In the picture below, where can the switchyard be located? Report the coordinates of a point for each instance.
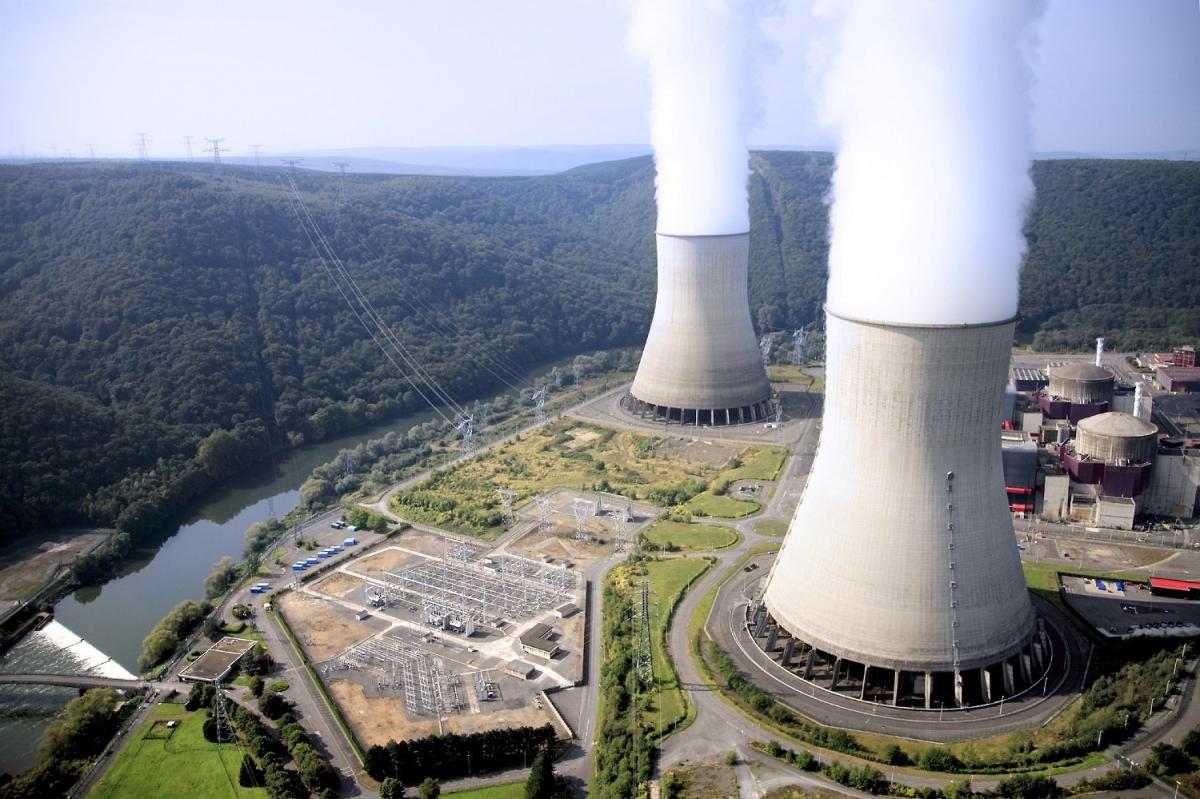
(423, 634)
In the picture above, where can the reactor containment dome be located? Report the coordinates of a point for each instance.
(701, 363)
(899, 574)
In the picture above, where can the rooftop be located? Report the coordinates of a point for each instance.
(1115, 423)
(1080, 371)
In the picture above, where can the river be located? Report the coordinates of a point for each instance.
(115, 617)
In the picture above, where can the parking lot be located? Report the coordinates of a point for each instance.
(1133, 612)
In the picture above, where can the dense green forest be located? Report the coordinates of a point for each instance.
(162, 327)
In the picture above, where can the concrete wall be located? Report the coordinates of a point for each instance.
(1174, 485)
(701, 351)
(1056, 491)
(1116, 513)
(869, 569)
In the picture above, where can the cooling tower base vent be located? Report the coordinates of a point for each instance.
(716, 417)
(1025, 673)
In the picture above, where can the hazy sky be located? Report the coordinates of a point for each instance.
(1113, 75)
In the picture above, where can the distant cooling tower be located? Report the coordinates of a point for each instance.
(899, 580)
(701, 363)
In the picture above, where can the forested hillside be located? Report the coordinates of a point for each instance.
(161, 327)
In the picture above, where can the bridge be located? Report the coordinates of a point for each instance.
(74, 681)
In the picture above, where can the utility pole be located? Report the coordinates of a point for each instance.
(216, 149)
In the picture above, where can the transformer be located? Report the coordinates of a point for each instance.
(899, 578)
(701, 363)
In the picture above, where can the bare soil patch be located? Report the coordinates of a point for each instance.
(388, 559)
(32, 562)
(339, 584)
(323, 629)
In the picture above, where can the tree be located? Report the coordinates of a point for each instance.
(212, 628)
(429, 789)
(1025, 786)
(1165, 760)
(257, 685)
(540, 784)
(391, 788)
(249, 775)
(272, 705)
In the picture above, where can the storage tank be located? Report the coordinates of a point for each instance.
(1117, 438)
(1081, 383)
(899, 567)
(701, 363)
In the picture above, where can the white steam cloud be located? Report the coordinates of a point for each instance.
(703, 58)
(932, 102)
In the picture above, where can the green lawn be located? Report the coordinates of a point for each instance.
(184, 765)
(511, 790)
(722, 506)
(771, 527)
(762, 465)
(667, 706)
(687, 537)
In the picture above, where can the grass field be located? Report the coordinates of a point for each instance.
(668, 578)
(762, 465)
(183, 765)
(1042, 579)
(511, 790)
(689, 537)
(771, 527)
(786, 373)
(568, 454)
(722, 506)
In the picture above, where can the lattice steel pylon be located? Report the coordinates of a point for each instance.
(577, 370)
(543, 506)
(778, 404)
(582, 510)
(764, 346)
(539, 405)
(798, 347)
(221, 718)
(622, 531)
(643, 660)
(556, 376)
(466, 428)
(506, 500)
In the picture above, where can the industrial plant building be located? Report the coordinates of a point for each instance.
(701, 364)
(1082, 447)
(898, 581)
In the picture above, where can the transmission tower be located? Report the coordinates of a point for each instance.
(141, 146)
(466, 427)
(539, 405)
(543, 506)
(577, 371)
(643, 662)
(221, 719)
(622, 531)
(764, 345)
(291, 162)
(583, 511)
(92, 152)
(506, 500)
(216, 150)
(255, 147)
(342, 193)
(483, 411)
(777, 403)
(556, 376)
(798, 347)
(188, 139)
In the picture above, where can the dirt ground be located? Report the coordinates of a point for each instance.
(323, 629)
(711, 778)
(1097, 554)
(581, 437)
(387, 559)
(425, 542)
(382, 719)
(339, 585)
(697, 450)
(31, 562)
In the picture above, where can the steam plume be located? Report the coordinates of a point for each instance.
(931, 99)
(703, 57)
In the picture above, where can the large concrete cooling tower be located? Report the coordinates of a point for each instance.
(899, 579)
(701, 363)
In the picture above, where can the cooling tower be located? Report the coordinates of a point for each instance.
(899, 576)
(701, 363)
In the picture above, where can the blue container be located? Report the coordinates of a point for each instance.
(296, 567)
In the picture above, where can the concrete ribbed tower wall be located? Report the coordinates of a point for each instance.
(701, 363)
(899, 578)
